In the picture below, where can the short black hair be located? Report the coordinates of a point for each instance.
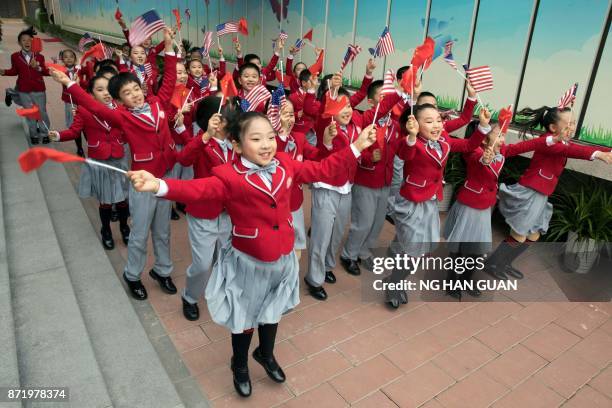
(305, 75)
(106, 69)
(374, 86)
(105, 63)
(403, 119)
(425, 94)
(400, 72)
(343, 91)
(28, 31)
(119, 81)
(246, 66)
(92, 82)
(238, 124)
(208, 106)
(250, 57)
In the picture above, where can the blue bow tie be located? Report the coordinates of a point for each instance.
(290, 146)
(141, 68)
(384, 120)
(145, 109)
(498, 157)
(266, 171)
(344, 128)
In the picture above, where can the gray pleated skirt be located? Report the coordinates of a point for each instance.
(525, 210)
(468, 230)
(105, 185)
(244, 292)
(417, 225)
(299, 228)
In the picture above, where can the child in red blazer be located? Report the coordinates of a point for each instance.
(144, 121)
(425, 152)
(267, 73)
(255, 279)
(468, 226)
(293, 72)
(331, 201)
(104, 144)
(142, 68)
(29, 67)
(209, 224)
(525, 205)
(150, 51)
(69, 57)
(249, 78)
(370, 192)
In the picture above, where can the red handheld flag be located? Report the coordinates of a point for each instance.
(381, 133)
(118, 14)
(423, 54)
(285, 79)
(243, 27)
(179, 95)
(505, 118)
(36, 45)
(30, 113)
(97, 52)
(334, 106)
(408, 80)
(308, 35)
(228, 87)
(316, 68)
(177, 15)
(35, 157)
(57, 67)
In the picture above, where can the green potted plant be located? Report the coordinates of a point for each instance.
(585, 217)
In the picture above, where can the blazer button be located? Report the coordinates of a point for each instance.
(273, 205)
(275, 228)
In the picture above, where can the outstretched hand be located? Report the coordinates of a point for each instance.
(143, 181)
(366, 138)
(59, 76)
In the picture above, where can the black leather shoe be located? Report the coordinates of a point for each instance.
(34, 140)
(125, 234)
(137, 290)
(242, 381)
(317, 292)
(515, 273)
(80, 153)
(107, 240)
(330, 277)
(191, 312)
(350, 266)
(8, 99)
(45, 140)
(496, 272)
(271, 366)
(165, 282)
(174, 215)
(181, 207)
(393, 303)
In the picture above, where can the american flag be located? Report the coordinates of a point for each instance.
(144, 27)
(283, 35)
(481, 78)
(388, 83)
(148, 69)
(277, 101)
(208, 38)
(256, 96)
(86, 39)
(351, 52)
(227, 28)
(568, 97)
(448, 54)
(384, 46)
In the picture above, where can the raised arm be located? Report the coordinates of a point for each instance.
(483, 129)
(466, 114)
(169, 79)
(191, 151)
(515, 149)
(80, 97)
(360, 95)
(75, 129)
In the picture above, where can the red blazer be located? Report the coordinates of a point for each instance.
(203, 157)
(303, 121)
(150, 142)
(184, 137)
(358, 121)
(28, 79)
(379, 174)
(294, 83)
(465, 117)
(546, 165)
(480, 187)
(220, 70)
(315, 108)
(103, 141)
(262, 222)
(300, 152)
(424, 170)
(267, 72)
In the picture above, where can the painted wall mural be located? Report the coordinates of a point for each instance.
(556, 59)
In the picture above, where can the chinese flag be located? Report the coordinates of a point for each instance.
(423, 54)
(30, 113)
(179, 95)
(505, 118)
(243, 27)
(316, 68)
(36, 45)
(286, 79)
(35, 157)
(97, 52)
(228, 87)
(334, 106)
(57, 67)
(118, 14)
(308, 35)
(381, 132)
(177, 15)
(408, 80)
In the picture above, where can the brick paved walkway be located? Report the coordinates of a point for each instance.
(344, 352)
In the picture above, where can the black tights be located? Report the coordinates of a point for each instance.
(242, 341)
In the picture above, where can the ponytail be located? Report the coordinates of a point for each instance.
(543, 117)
